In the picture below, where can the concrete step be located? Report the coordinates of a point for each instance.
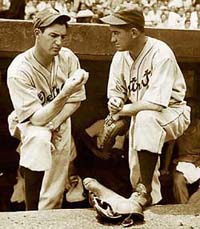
(160, 216)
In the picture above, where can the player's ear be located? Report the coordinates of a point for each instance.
(135, 32)
(37, 31)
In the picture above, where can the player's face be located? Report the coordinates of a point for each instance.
(51, 39)
(122, 38)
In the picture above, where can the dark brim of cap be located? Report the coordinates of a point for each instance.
(112, 20)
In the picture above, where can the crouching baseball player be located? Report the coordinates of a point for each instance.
(46, 86)
(143, 71)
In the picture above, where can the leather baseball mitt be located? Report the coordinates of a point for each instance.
(113, 128)
(105, 211)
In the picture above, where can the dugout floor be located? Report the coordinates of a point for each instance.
(165, 216)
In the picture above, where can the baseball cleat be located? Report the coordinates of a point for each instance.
(141, 196)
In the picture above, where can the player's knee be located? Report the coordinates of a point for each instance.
(39, 137)
(144, 117)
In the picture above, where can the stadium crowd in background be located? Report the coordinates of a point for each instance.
(178, 14)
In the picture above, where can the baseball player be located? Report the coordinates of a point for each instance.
(46, 86)
(144, 71)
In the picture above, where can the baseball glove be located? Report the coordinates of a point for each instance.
(91, 144)
(105, 211)
(113, 128)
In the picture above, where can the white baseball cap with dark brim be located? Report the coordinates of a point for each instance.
(84, 13)
(47, 16)
(124, 17)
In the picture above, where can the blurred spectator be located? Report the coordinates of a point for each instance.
(195, 2)
(114, 4)
(4, 5)
(70, 11)
(187, 24)
(99, 12)
(147, 17)
(165, 3)
(164, 23)
(188, 14)
(31, 9)
(176, 3)
(61, 6)
(84, 16)
(148, 2)
(173, 19)
(15, 11)
(181, 13)
(158, 13)
(195, 16)
(40, 5)
(187, 3)
(155, 14)
(51, 3)
(129, 3)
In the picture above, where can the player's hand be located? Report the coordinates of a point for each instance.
(115, 104)
(75, 82)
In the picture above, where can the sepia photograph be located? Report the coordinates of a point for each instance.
(99, 114)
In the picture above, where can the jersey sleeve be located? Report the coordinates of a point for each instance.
(24, 97)
(161, 83)
(116, 82)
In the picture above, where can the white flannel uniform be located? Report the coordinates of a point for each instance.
(154, 77)
(32, 86)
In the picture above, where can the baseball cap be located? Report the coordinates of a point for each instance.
(132, 16)
(84, 13)
(47, 16)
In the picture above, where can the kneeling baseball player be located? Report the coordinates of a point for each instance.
(145, 72)
(46, 86)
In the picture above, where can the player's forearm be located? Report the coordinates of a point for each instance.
(133, 108)
(65, 113)
(48, 112)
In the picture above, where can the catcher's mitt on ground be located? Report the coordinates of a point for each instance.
(112, 207)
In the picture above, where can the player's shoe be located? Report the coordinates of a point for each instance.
(76, 191)
(141, 196)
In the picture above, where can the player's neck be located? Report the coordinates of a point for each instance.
(43, 59)
(137, 49)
